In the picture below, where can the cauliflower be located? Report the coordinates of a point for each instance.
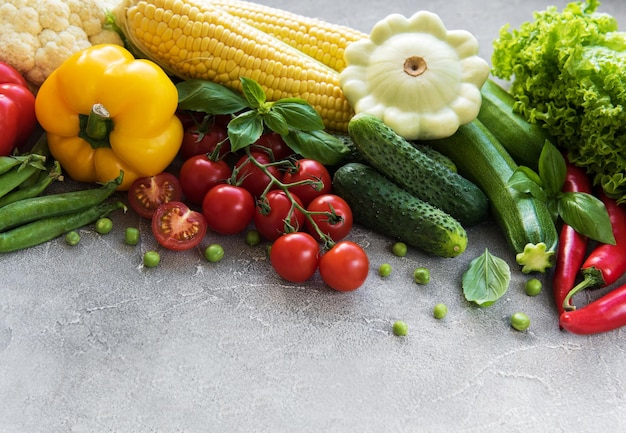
(36, 36)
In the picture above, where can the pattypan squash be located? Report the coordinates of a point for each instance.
(421, 79)
(105, 111)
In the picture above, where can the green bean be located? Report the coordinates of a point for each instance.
(43, 181)
(46, 229)
(31, 209)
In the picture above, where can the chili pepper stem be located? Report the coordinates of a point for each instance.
(592, 278)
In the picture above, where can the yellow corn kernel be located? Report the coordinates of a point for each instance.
(323, 41)
(203, 41)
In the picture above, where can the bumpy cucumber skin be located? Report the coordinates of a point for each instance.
(480, 157)
(381, 206)
(415, 172)
(521, 139)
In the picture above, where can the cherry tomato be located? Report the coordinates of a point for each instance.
(146, 194)
(196, 141)
(190, 119)
(295, 256)
(337, 223)
(345, 266)
(199, 174)
(228, 209)
(272, 213)
(176, 227)
(273, 143)
(309, 170)
(252, 177)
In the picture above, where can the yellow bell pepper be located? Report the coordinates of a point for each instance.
(105, 111)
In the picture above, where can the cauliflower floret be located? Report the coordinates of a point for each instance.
(36, 36)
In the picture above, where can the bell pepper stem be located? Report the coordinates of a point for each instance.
(97, 122)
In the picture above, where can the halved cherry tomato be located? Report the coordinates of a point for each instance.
(345, 266)
(312, 171)
(176, 227)
(275, 214)
(228, 209)
(295, 256)
(199, 174)
(336, 223)
(252, 177)
(273, 143)
(146, 194)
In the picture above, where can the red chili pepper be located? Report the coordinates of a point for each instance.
(602, 315)
(17, 109)
(572, 245)
(606, 263)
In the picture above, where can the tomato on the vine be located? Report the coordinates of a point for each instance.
(332, 215)
(251, 177)
(275, 213)
(295, 256)
(345, 266)
(273, 143)
(197, 141)
(176, 227)
(146, 194)
(228, 209)
(199, 174)
(312, 171)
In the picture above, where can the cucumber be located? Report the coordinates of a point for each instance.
(417, 173)
(480, 157)
(383, 207)
(522, 140)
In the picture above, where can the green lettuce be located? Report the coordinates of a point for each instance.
(568, 72)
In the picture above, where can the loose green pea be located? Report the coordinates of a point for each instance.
(104, 225)
(421, 275)
(151, 259)
(253, 238)
(520, 321)
(399, 249)
(131, 236)
(384, 270)
(400, 328)
(72, 238)
(214, 253)
(440, 311)
(533, 287)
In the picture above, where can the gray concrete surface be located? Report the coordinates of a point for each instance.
(90, 341)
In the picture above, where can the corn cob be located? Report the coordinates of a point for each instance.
(198, 39)
(323, 41)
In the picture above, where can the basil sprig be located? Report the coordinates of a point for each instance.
(486, 279)
(584, 212)
(300, 126)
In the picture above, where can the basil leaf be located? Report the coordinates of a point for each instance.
(276, 122)
(552, 169)
(527, 181)
(318, 145)
(587, 215)
(486, 279)
(299, 114)
(253, 92)
(244, 130)
(208, 97)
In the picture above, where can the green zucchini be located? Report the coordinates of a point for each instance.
(480, 157)
(417, 173)
(522, 140)
(383, 207)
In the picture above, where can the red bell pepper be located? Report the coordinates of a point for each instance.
(17, 109)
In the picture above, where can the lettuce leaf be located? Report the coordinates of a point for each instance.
(567, 72)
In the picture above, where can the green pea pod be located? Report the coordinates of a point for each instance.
(44, 179)
(31, 209)
(46, 229)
